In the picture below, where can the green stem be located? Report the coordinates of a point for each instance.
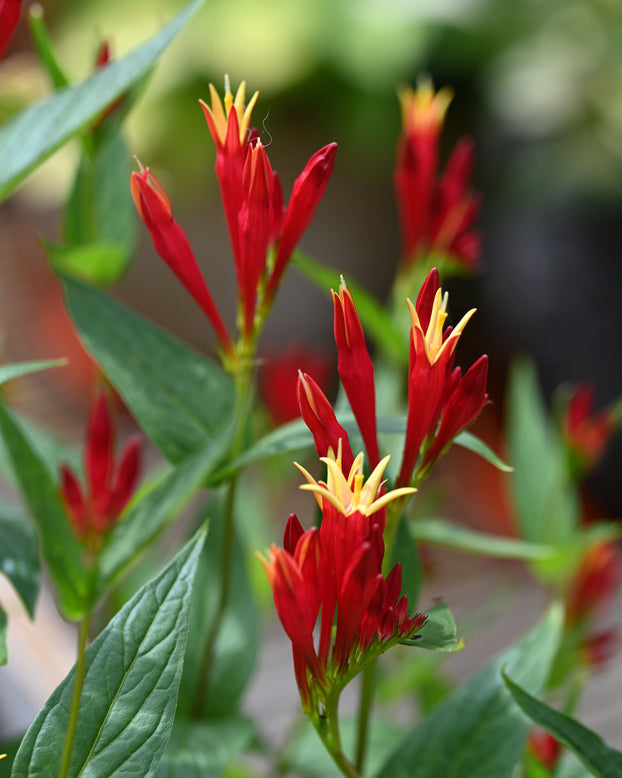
(328, 729)
(365, 706)
(78, 682)
(227, 567)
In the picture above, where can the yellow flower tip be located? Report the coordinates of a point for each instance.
(423, 108)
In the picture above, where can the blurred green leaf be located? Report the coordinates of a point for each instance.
(180, 399)
(439, 633)
(475, 444)
(19, 555)
(98, 263)
(62, 552)
(4, 654)
(19, 369)
(130, 685)
(545, 500)
(235, 650)
(147, 518)
(478, 730)
(375, 319)
(404, 552)
(600, 760)
(32, 136)
(440, 532)
(203, 749)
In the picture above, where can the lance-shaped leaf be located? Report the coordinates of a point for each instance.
(181, 400)
(19, 369)
(147, 518)
(62, 552)
(19, 556)
(35, 133)
(600, 759)
(130, 685)
(203, 749)
(478, 730)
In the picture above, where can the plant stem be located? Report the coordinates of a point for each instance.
(227, 567)
(365, 705)
(332, 739)
(78, 682)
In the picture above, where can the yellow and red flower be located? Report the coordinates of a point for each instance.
(436, 215)
(335, 574)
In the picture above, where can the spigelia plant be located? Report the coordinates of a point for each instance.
(160, 690)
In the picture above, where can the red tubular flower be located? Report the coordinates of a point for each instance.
(595, 583)
(586, 433)
(319, 416)
(10, 11)
(259, 225)
(544, 747)
(94, 511)
(437, 391)
(435, 216)
(336, 572)
(356, 369)
(171, 243)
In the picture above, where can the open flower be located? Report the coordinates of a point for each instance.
(436, 215)
(335, 574)
(96, 508)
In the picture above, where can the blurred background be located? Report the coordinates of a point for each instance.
(537, 84)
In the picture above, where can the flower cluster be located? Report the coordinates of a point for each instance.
(441, 401)
(108, 489)
(334, 573)
(263, 232)
(436, 216)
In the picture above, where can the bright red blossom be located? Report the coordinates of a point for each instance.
(436, 216)
(336, 572)
(10, 11)
(108, 489)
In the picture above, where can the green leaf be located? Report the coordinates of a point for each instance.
(130, 685)
(146, 519)
(439, 633)
(203, 749)
(19, 369)
(62, 552)
(600, 760)
(405, 553)
(19, 555)
(375, 319)
(181, 400)
(235, 650)
(33, 135)
(545, 501)
(473, 443)
(4, 654)
(98, 263)
(478, 730)
(440, 532)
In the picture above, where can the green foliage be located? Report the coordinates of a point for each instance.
(130, 686)
(19, 369)
(600, 760)
(234, 652)
(32, 136)
(439, 633)
(545, 500)
(478, 730)
(181, 400)
(19, 555)
(203, 749)
(62, 552)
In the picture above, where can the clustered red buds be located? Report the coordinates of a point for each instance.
(334, 573)
(108, 489)
(436, 216)
(263, 232)
(10, 11)
(585, 432)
